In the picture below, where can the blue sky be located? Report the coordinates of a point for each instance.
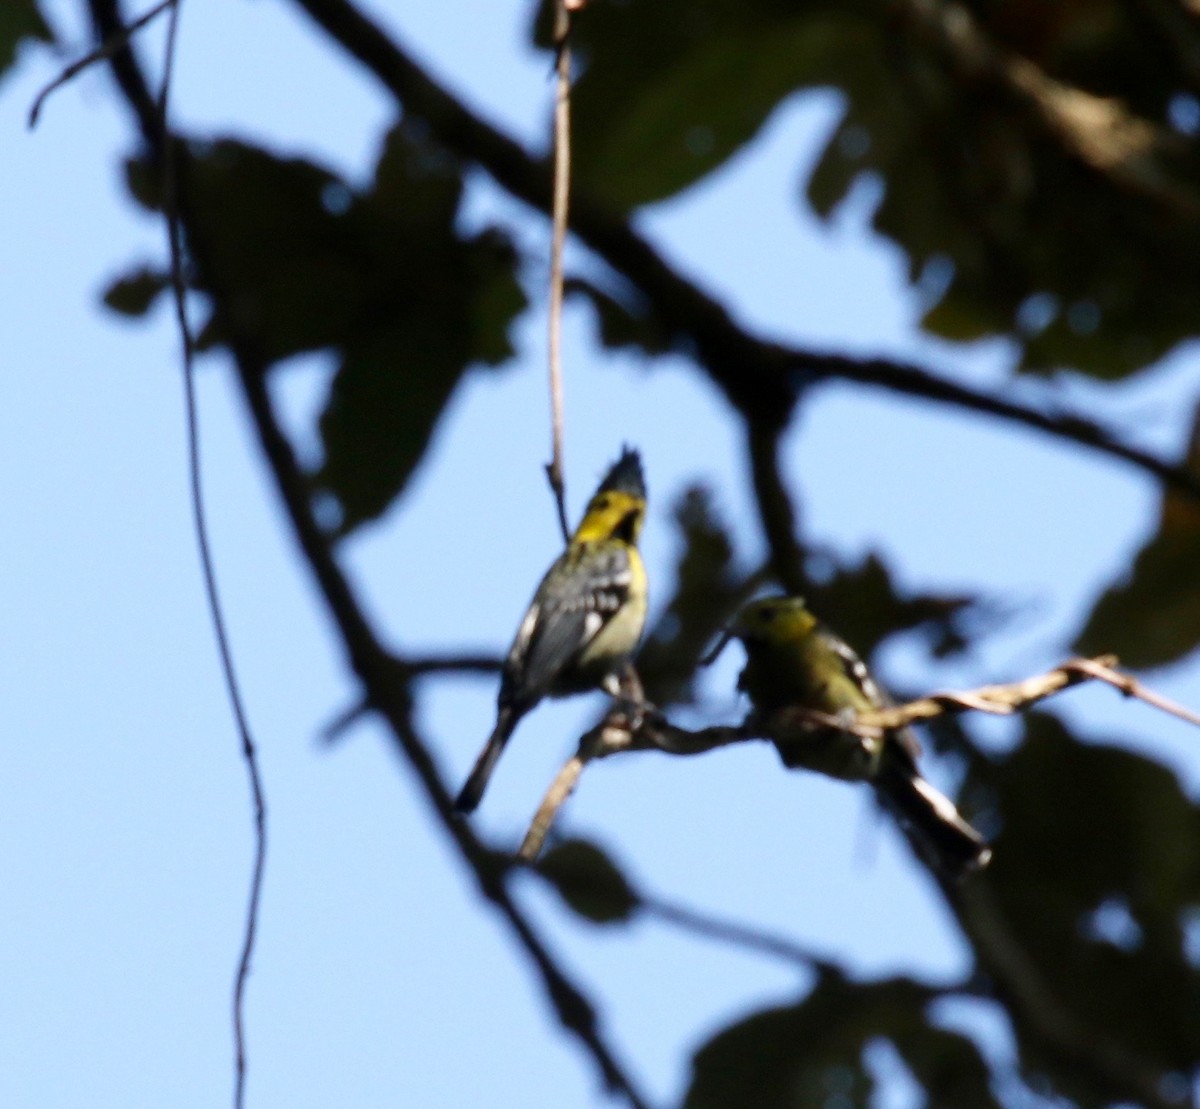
(125, 836)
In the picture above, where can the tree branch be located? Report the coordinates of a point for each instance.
(377, 672)
(366, 656)
(619, 732)
(106, 49)
(761, 378)
(1004, 700)
(735, 934)
(775, 510)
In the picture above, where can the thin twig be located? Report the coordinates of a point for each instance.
(735, 933)
(562, 194)
(617, 733)
(406, 670)
(560, 789)
(999, 700)
(1003, 700)
(187, 343)
(1102, 670)
(105, 50)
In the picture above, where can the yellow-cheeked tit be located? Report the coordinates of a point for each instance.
(585, 619)
(793, 661)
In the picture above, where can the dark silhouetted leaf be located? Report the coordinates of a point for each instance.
(668, 91)
(383, 406)
(708, 591)
(947, 1064)
(286, 269)
(810, 1054)
(1023, 154)
(143, 182)
(588, 881)
(1084, 264)
(1153, 616)
(299, 261)
(133, 294)
(20, 20)
(1095, 872)
(498, 297)
(621, 326)
(449, 303)
(862, 603)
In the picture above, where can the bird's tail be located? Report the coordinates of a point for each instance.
(471, 793)
(931, 821)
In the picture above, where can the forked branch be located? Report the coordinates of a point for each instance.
(647, 729)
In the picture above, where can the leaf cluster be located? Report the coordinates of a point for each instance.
(380, 277)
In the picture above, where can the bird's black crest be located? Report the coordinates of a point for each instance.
(625, 476)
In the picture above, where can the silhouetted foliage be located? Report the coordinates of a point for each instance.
(1038, 166)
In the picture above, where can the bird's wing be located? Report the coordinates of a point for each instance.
(857, 671)
(570, 614)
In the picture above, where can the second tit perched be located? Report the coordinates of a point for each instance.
(585, 619)
(794, 661)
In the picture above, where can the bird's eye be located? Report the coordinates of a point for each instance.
(602, 503)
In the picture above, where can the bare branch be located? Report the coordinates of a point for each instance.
(736, 934)
(650, 730)
(1000, 700)
(616, 733)
(560, 789)
(102, 52)
(1004, 700)
(562, 195)
(1102, 670)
